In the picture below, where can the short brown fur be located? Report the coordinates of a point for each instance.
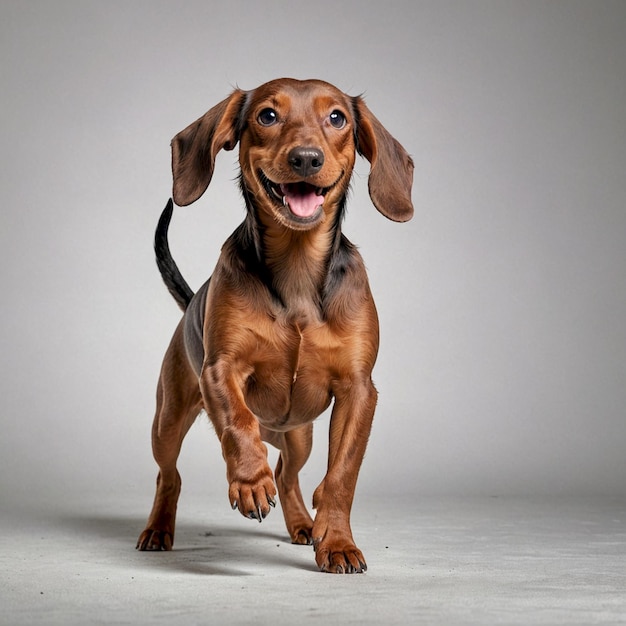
(287, 323)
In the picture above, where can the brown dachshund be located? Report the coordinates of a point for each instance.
(287, 322)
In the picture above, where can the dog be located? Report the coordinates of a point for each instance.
(286, 325)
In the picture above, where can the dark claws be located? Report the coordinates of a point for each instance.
(257, 515)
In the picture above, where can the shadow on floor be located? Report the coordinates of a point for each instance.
(211, 549)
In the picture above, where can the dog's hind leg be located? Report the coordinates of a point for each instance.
(178, 404)
(295, 448)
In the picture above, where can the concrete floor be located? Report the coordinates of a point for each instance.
(431, 561)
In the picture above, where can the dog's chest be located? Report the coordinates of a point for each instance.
(292, 376)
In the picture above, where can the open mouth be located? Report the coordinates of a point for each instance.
(302, 199)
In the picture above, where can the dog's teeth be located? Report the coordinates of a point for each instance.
(284, 200)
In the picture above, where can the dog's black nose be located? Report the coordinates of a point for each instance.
(306, 161)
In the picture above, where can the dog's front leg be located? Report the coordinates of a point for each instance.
(351, 422)
(251, 484)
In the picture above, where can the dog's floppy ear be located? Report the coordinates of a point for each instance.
(195, 148)
(391, 173)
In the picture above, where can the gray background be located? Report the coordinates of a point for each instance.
(502, 304)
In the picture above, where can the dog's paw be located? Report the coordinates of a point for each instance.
(297, 519)
(152, 540)
(253, 500)
(337, 559)
(302, 536)
(335, 551)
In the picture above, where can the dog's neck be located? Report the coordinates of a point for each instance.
(298, 262)
(295, 263)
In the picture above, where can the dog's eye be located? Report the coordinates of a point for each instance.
(337, 119)
(267, 117)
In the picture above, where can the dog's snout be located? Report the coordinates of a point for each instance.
(306, 161)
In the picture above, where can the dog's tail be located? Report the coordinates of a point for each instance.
(172, 277)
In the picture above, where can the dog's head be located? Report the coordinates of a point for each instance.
(298, 143)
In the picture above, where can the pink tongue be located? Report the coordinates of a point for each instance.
(302, 201)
